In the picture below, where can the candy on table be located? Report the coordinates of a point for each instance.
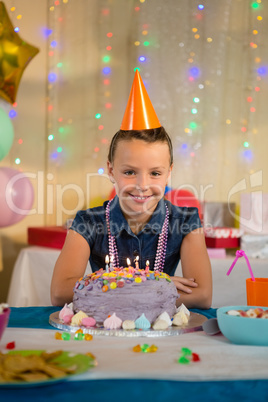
(187, 356)
(58, 336)
(78, 336)
(145, 348)
(10, 345)
(66, 336)
(88, 337)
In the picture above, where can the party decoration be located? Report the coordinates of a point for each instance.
(112, 194)
(15, 55)
(16, 196)
(139, 113)
(183, 198)
(6, 134)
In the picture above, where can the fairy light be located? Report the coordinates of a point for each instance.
(106, 70)
(17, 161)
(50, 137)
(97, 115)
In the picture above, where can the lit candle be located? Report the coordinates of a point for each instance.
(147, 266)
(137, 262)
(107, 262)
(112, 263)
(128, 262)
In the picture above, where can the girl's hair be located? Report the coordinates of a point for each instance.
(150, 136)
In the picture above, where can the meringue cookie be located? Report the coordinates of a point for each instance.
(160, 324)
(180, 319)
(77, 318)
(89, 322)
(142, 322)
(112, 322)
(66, 310)
(183, 308)
(128, 324)
(165, 316)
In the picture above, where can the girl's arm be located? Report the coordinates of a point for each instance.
(195, 288)
(70, 267)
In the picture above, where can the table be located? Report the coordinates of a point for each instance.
(226, 372)
(30, 282)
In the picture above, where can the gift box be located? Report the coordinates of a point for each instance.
(223, 237)
(50, 236)
(219, 214)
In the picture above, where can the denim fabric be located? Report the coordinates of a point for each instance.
(91, 224)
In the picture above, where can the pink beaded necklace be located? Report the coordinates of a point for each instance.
(161, 245)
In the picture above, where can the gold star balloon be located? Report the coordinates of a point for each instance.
(15, 55)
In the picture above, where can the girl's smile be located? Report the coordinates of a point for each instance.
(140, 172)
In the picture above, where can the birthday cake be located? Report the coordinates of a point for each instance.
(125, 293)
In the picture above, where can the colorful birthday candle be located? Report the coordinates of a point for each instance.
(147, 266)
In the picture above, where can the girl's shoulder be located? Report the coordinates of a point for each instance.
(93, 215)
(182, 213)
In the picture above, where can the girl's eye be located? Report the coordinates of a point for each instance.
(129, 172)
(155, 174)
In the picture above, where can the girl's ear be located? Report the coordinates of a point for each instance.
(110, 172)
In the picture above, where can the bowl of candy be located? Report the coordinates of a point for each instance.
(244, 325)
(4, 317)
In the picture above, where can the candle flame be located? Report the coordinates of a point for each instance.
(107, 259)
(128, 261)
(147, 262)
(137, 258)
(112, 258)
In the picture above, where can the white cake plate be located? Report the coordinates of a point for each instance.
(194, 324)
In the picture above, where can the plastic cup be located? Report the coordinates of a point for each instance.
(257, 292)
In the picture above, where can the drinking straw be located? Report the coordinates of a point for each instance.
(239, 254)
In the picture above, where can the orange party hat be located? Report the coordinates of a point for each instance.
(139, 113)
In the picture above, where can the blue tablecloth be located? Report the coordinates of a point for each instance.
(128, 390)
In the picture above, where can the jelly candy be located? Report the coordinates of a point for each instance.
(79, 331)
(88, 337)
(152, 349)
(113, 285)
(144, 347)
(58, 336)
(10, 345)
(66, 336)
(105, 288)
(79, 336)
(186, 351)
(195, 357)
(183, 360)
(137, 348)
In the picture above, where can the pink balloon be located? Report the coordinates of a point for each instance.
(16, 196)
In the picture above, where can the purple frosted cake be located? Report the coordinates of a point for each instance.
(128, 292)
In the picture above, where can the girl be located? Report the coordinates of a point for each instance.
(138, 221)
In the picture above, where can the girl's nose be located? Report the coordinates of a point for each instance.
(142, 183)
